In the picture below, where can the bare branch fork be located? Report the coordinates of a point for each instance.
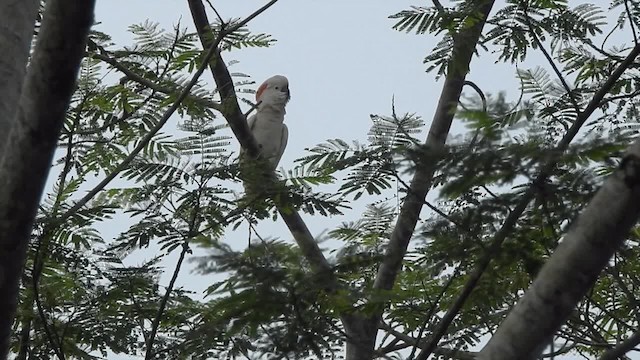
(238, 124)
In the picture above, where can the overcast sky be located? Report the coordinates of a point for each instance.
(343, 60)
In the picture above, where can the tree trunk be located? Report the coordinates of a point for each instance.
(574, 267)
(17, 22)
(464, 45)
(32, 136)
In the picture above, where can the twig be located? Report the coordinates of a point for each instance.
(163, 303)
(570, 93)
(435, 306)
(222, 23)
(483, 98)
(131, 75)
(480, 93)
(633, 27)
(148, 137)
(449, 353)
(49, 330)
(431, 206)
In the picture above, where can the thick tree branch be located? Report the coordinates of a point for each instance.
(529, 194)
(17, 21)
(464, 46)
(238, 123)
(574, 267)
(363, 330)
(26, 158)
(621, 349)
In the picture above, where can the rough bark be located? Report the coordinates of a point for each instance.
(17, 22)
(238, 123)
(464, 46)
(511, 220)
(31, 141)
(363, 331)
(574, 267)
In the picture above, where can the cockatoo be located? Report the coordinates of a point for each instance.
(267, 124)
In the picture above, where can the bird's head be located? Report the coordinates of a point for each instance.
(274, 91)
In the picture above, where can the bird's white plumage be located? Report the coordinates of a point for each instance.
(271, 135)
(267, 124)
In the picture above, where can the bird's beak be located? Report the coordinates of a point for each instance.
(286, 91)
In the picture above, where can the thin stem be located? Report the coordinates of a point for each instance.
(147, 138)
(552, 63)
(633, 27)
(163, 303)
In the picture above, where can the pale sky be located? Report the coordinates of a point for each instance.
(342, 58)
(343, 61)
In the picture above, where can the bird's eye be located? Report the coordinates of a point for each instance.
(277, 88)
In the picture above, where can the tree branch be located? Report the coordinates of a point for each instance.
(529, 194)
(131, 75)
(621, 349)
(464, 46)
(238, 123)
(163, 302)
(553, 65)
(148, 137)
(448, 353)
(576, 264)
(17, 21)
(193, 227)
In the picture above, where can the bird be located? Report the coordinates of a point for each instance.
(267, 124)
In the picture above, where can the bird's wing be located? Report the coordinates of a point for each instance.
(283, 144)
(251, 122)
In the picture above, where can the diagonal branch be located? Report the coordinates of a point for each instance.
(574, 267)
(147, 138)
(238, 123)
(363, 328)
(529, 194)
(155, 324)
(622, 348)
(552, 63)
(131, 75)
(464, 46)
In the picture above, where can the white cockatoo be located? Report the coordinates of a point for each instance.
(267, 124)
